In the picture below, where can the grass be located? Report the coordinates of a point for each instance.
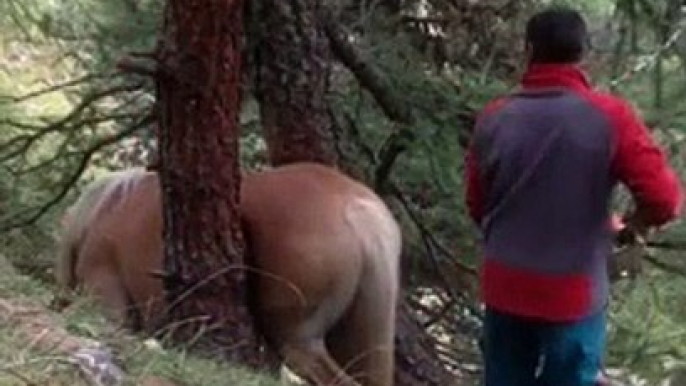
(23, 361)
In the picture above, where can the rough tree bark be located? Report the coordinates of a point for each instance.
(294, 59)
(198, 100)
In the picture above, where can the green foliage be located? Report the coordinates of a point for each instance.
(646, 330)
(62, 104)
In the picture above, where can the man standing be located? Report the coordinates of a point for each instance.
(540, 174)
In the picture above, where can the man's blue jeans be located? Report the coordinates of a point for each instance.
(520, 351)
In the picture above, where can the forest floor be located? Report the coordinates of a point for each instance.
(39, 346)
(42, 347)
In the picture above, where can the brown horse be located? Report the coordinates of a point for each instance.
(330, 241)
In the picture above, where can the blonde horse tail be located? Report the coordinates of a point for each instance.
(65, 264)
(381, 280)
(373, 312)
(78, 218)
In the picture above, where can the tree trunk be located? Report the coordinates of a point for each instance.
(198, 95)
(293, 59)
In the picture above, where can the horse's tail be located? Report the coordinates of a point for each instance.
(378, 290)
(96, 197)
(66, 253)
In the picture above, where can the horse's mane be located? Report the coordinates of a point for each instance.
(96, 197)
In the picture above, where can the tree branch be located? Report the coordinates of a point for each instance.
(24, 142)
(396, 144)
(143, 66)
(430, 241)
(74, 177)
(668, 245)
(395, 108)
(667, 267)
(56, 87)
(368, 76)
(26, 169)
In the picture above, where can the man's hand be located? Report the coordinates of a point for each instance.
(629, 230)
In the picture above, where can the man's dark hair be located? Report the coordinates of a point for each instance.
(557, 35)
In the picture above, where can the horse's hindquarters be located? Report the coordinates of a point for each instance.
(343, 290)
(363, 341)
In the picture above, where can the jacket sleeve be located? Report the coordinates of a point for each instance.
(642, 166)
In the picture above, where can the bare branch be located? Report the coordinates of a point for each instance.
(368, 76)
(133, 65)
(24, 142)
(74, 176)
(59, 154)
(668, 245)
(432, 244)
(396, 144)
(57, 87)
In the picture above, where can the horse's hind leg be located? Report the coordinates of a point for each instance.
(312, 361)
(363, 340)
(101, 280)
(109, 293)
(299, 338)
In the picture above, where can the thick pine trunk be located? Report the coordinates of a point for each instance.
(293, 59)
(198, 95)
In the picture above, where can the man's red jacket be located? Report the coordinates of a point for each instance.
(540, 173)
